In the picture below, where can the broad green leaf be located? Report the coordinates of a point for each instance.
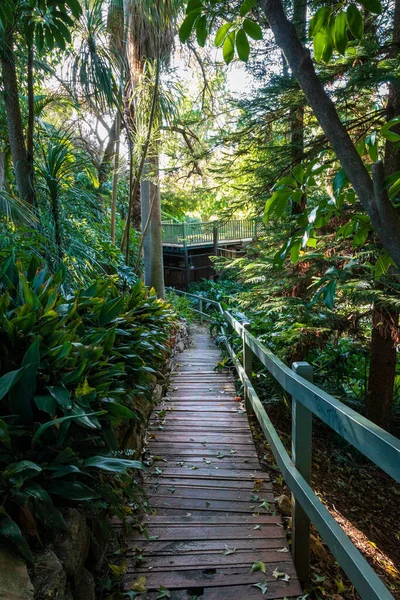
(246, 7)
(8, 380)
(75, 7)
(355, 21)
(40, 431)
(341, 32)
(115, 465)
(46, 403)
(73, 490)
(186, 28)
(61, 395)
(329, 294)
(373, 6)
(391, 136)
(323, 45)
(163, 593)
(339, 181)
(23, 392)
(192, 5)
(252, 29)
(222, 33)
(319, 20)
(295, 251)
(110, 310)
(10, 530)
(228, 49)
(201, 30)
(242, 45)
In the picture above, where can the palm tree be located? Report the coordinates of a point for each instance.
(149, 38)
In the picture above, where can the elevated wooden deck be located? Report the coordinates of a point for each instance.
(214, 510)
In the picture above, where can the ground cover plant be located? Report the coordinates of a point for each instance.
(72, 366)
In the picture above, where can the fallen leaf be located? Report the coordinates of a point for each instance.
(140, 585)
(118, 570)
(171, 489)
(259, 566)
(284, 550)
(163, 593)
(257, 527)
(263, 586)
(265, 505)
(228, 550)
(280, 575)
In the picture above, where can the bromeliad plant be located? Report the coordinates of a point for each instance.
(70, 369)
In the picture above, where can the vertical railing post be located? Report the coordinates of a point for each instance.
(185, 256)
(248, 367)
(215, 240)
(301, 457)
(201, 310)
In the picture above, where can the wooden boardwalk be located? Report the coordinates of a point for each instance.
(214, 511)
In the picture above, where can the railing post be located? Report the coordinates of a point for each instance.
(248, 367)
(186, 256)
(201, 309)
(301, 457)
(215, 240)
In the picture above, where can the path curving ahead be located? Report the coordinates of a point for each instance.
(206, 488)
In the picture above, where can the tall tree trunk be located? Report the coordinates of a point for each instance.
(2, 169)
(380, 209)
(115, 175)
(156, 256)
(297, 112)
(105, 165)
(14, 121)
(31, 117)
(145, 203)
(382, 370)
(385, 321)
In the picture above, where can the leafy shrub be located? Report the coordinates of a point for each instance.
(70, 367)
(182, 306)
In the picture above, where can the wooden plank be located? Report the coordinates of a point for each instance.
(209, 473)
(190, 504)
(211, 559)
(176, 548)
(228, 576)
(211, 494)
(237, 592)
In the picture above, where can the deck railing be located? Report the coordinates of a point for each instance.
(307, 399)
(208, 232)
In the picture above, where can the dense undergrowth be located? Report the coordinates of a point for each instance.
(72, 366)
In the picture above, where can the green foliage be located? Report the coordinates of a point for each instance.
(72, 366)
(231, 35)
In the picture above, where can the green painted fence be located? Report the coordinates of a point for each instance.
(307, 399)
(206, 232)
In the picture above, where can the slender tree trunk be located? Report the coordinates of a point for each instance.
(31, 117)
(105, 165)
(145, 203)
(2, 169)
(156, 257)
(385, 321)
(57, 226)
(297, 112)
(115, 176)
(14, 122)
(381, 211)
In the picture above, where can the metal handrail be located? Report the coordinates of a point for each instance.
(378, 445)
